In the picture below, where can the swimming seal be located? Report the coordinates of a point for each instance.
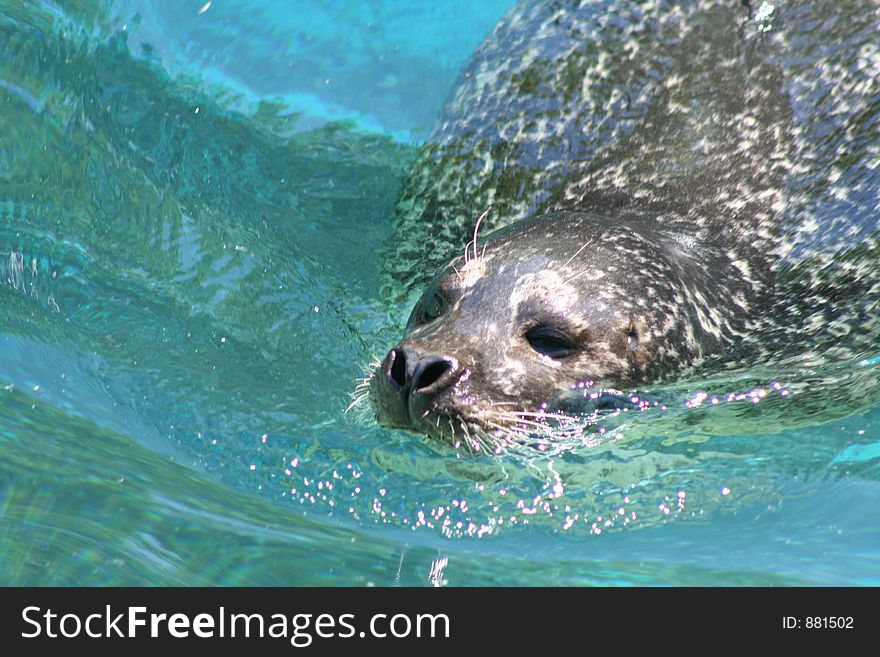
(676, 182)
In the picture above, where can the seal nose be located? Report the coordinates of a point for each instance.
(413, 374)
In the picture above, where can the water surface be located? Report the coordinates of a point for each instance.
(189, 208)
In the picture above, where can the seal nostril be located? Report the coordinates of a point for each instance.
(397, 371)
(429, 372)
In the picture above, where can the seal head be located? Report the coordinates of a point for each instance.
(541, 307)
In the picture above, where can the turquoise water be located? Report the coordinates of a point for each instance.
(189, 207)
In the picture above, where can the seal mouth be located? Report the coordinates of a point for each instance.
(458, 430)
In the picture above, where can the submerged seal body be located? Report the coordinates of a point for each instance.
(676, 184)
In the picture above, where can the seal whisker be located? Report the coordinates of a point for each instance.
(470, 447)
(576, 276)
(477, 230)
(577, 253)
(369, 368)
(514, 425)
(356, 400)
(507, 427)
(467, 434)
(508, 436)
(485, 440)
(542, 415)
(522, 420)
(361, 391)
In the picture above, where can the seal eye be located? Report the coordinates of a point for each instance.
(550, 342)
(431, 308)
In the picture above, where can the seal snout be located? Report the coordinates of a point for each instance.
(413, 381)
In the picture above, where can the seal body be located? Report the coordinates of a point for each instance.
(679, 182)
